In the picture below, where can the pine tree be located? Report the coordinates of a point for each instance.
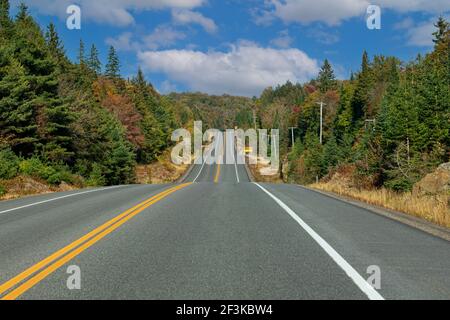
(5, 20)
(94, 62)
(441, 34)
(343, 120)
(326, 79)
(81, 54)
(55, 45)
(113, 66)
(140, 79)
(153, 128)
(47, 116)
(22, 14)
(361, 96)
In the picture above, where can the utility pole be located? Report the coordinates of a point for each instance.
(292, 134)
(321, 120)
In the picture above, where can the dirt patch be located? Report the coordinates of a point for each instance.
(23, 186)
(160, 172)
(258, 170)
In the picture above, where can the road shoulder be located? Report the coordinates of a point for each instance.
(409, 220)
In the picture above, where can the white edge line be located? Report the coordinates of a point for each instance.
(341, 262)
(201, 169)
(58, 198)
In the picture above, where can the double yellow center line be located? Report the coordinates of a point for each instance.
(44, 268)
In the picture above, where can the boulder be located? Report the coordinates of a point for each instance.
(437, 182)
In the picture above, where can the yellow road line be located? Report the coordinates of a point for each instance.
(86, 241)
(216, 179)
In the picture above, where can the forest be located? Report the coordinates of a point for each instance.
(74, 122)
(81, 123)
(387, 126)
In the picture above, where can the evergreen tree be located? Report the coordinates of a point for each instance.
(5, 20)
(47, 116)
(331, 153)
(113, 66)
(55, 45)
(22, 14)
(94, 62)
(153, 129)
(81, 53)
(361, 96)
(326, 79)
(343, 121)
(441, 34)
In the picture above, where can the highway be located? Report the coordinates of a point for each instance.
(215, 236)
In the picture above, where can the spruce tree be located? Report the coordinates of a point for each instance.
(41, 109)
(113, 66)
(441, 34)
(93, 61)
(55, 44)
(5, 20)
(81, 53)
(326, 79)
(22, 14)
(361, 96)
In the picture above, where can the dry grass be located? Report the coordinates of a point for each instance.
(431, 208)
(161, 171)
(23, 186)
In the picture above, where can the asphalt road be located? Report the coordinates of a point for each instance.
(218, 237)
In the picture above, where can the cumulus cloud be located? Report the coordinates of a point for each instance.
(418, 34)
(123, 42)
(324, 37)
(162, 37)
(333, 12)
(284, 40)
(191, 17)
(115, 12)
(246, 69)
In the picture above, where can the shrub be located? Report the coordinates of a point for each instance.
(2, 190)
(55, 174)
(9, 164)
(96, 178)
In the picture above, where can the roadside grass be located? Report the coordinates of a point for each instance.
(433, 208)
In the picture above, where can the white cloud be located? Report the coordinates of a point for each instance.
(162, 37)
(124, 42)
(284, 40)
(167, 87)
(188, 17)
(324, 37)
(246, 69)
(420, 34)
(404, 24)
(115, 12)
(333, 12)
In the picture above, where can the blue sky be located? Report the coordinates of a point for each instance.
(240, 47)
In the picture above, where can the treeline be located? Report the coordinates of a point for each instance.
(390, 121)
(218, 112)
(75, 122)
